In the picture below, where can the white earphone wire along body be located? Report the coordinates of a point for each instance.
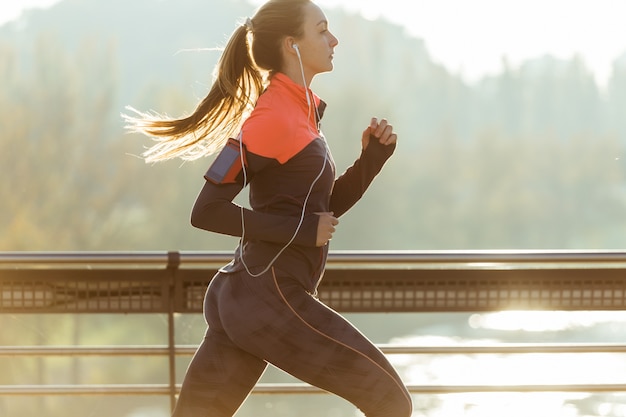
(310, 190)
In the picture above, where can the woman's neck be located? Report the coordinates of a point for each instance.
(295, 72)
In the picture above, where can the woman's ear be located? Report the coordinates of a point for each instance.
(288, 45)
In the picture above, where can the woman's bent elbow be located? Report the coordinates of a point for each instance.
(196, 217)
(192, 220)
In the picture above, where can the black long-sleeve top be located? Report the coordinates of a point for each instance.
(287, 159)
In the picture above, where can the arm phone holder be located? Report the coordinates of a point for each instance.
(227, 165)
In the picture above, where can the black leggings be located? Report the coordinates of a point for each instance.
(272, 319)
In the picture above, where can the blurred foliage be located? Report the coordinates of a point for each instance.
(532, 158)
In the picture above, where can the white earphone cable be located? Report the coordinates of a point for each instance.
(306, 199)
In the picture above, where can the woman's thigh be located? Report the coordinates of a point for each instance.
(283, 324)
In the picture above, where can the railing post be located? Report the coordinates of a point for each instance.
(173, 263)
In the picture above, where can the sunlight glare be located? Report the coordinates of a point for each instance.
(502, 370)
(542, 321)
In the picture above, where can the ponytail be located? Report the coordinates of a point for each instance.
(239, 80)
(237, 85)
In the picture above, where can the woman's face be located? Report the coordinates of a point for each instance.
(317, 44)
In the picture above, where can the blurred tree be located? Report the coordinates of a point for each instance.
(616, 97)
(75, 184)
(55, 117)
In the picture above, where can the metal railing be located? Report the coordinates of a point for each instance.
(354, 281)
(174, 282)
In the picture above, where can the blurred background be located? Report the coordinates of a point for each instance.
(499, 149)
(512, 135)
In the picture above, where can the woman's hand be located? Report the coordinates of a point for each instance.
(382, 130)
(325, 228)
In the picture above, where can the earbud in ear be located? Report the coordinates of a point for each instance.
(295, 47)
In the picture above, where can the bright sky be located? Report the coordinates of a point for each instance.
(11, 9)
(472, 36)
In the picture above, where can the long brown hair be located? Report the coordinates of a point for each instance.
(239, 78)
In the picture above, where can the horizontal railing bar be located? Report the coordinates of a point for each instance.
(476, 256)
(508, 348)
(92, 350)
(505, 348)
(147, 258)
(460, 389)
(116, 389)
(297, 388)
(159, 258)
